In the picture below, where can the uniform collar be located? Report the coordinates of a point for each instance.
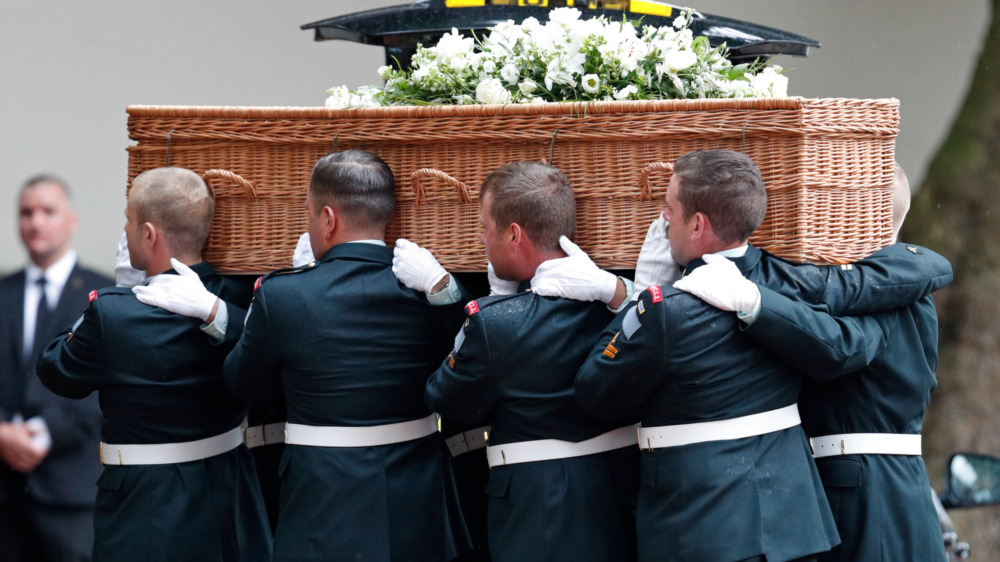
(202, 268)
(745, 262)
(360, 249)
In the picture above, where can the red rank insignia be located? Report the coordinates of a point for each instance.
(472, 308)
(256, 284)
(92, 296)
(657, 293)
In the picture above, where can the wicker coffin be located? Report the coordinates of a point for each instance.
(828, 165)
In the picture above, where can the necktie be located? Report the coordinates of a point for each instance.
(42, 319)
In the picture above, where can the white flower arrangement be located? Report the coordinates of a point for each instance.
(567, 59)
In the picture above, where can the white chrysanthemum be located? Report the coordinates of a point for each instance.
(527, 87)
(591, 83)
(510, 73)
(492, 91)
(625, 92)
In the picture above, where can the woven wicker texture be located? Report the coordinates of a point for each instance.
(827, 163)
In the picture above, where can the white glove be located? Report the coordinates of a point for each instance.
(182, 294)
(720, 284)
(416, 267)
(125, 274)
(574, 277)
(655, 265)
(303, 253)
(499, 286)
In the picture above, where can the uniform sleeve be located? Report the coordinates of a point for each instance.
(463, 389)
(253, 368)
(813, 342)
(895, 276)
(74, 363)
(627, 363)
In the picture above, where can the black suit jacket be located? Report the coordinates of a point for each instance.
(68, 474)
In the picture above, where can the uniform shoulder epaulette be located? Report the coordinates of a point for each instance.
(109, 291)
(285, 271)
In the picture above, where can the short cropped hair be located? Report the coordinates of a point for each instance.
(358, 182)
(179, 203)
(727, 187)
(39, 179)
(535, 196)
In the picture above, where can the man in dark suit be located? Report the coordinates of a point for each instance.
(48, 444)
(178, 483)
(864, 426)
(726, 469)
(562, 484)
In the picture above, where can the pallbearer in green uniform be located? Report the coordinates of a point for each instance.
(865, 426)
(178, 483)
(726, 471)
(364, 474)
(562, 483)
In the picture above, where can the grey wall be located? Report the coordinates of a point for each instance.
(70, 68)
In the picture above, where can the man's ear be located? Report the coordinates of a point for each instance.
(330, 221)
(150, 236)
(516, 234)
(702, 226)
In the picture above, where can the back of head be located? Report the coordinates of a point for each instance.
(359, 183)
(179, 203)
(727, 187)
(535, 196)
(900, 200)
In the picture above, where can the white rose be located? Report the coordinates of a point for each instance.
(677, 61)
(492, 91)
(591, 83)
(527, 87)
(510, 73)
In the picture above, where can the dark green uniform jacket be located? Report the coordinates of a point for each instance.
(881, 503)
(513, 367)
(350, 346)
(676, 360)
(159, 380)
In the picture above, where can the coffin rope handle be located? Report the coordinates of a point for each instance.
(645, 186)
(215, 173)
(418, 176)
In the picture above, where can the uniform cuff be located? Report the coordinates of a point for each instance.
(217, 329)
(450, 294)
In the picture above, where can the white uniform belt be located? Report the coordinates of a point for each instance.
(370, 436)
(171, 453)
(719, 430)
(866, 444)
(466, 441)
(267, 434)
(550, 449)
